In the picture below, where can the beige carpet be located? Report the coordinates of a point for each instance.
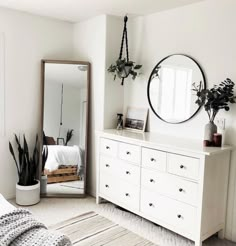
(51, 211)
(92, 229)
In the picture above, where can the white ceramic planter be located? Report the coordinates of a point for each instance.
(28, 195)
(43, 184)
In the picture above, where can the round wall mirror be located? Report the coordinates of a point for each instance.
(172, 88)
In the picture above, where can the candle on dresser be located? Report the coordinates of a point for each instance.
(217, 139)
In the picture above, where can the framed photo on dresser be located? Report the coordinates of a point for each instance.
(136, 119)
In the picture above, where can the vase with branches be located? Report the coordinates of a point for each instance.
(215, 99)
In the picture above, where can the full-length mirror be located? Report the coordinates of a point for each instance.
(171, 87)
(65, 124)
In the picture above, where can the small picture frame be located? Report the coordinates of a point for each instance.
(60, 141)
(136, 119)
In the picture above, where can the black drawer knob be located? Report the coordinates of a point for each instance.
(181, 166)
(128, 153)
(107, 165)
(152, 180)
(150, 205)
(180, 190)
(127, 172)
(107, 186)
(126, 194)
(179, 216)
(107, 147)
(153, 159)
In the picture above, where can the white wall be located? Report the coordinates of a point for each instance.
(206, 32)
(2, 84)
(71, 111)
(114, 92)
(89, 45)
(28, 39)
(98, 41)
(52, 109)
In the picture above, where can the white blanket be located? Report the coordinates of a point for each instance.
(5, 206)
(63, 155)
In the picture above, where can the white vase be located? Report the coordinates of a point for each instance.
(43, 184)
(28, 195)
(210, 129)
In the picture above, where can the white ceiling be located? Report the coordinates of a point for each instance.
(77, 10)
(68, 74)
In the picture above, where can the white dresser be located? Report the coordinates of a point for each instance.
(175, 183)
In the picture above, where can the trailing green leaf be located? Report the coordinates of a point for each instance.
(123, 69)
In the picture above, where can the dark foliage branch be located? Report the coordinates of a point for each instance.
(217, 98)
(69, 135)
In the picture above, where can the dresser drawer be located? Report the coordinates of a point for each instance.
(154, 159)
(128, 172)
(152, 205)
(129, 195)
(108, 164)
(170, 185)
(108, 147)
(172, 212)
(129, 152)
(183, 166)
(153, 180)
(183, 190)
(181, 215)
(108, 186)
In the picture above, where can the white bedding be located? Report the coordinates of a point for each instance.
(63, 155)
(5, 206)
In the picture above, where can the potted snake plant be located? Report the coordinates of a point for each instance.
(44, 177)
(27, 165)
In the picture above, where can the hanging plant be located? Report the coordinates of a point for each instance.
(123, 66)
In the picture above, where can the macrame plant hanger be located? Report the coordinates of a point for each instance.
(126, 70)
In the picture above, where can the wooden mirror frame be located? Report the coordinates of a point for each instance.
(43, 62)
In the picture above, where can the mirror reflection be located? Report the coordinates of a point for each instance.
(170, 88)
(65, 128)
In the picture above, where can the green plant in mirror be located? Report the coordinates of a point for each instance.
(27, 165)
(69, 135)
(217, 98)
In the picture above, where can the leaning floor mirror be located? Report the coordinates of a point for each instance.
(65, 127)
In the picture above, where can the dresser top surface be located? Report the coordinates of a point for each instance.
(163, 141)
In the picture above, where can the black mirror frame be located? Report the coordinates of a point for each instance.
(150, 79)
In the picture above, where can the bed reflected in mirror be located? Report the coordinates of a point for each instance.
(65, 121)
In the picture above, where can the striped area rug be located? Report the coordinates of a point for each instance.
(92, 229)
